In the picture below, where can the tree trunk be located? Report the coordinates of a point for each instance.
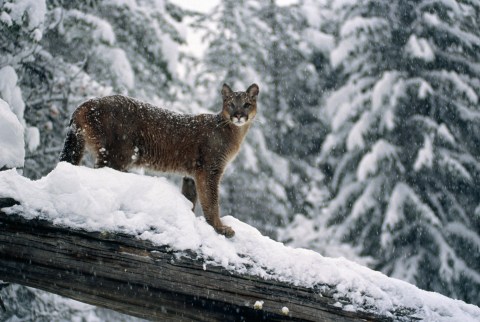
(132, 276)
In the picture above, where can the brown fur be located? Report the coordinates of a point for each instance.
(122, 133)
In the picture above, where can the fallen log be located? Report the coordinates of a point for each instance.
(132, 276)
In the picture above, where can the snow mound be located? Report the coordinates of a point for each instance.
(12, 151)
(151, 208)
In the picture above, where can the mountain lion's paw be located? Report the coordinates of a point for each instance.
(227, 231)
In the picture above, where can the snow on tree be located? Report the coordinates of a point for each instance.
(30, 304)
(293, 81)
(15, 133)
(66, 52)
(12, 151)
(402, 154)
(25, 18)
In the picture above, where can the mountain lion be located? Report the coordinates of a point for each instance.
(122, 133)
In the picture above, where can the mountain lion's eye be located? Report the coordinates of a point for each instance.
(246, 105)
(232, 106)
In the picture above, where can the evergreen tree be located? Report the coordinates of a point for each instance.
(61, 53)
(74, 50)
(293, 82)
(21, 28)
(402, 156)
(251, 41)
(232, 31)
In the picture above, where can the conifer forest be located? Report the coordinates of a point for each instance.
(366, 144)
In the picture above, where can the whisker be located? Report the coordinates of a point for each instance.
(223, 123)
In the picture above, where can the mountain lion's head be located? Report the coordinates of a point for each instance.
(240, 107)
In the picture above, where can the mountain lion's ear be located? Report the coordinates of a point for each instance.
(253, 90)
(226, 91)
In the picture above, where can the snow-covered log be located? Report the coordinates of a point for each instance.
(135, 277)
(131, 243)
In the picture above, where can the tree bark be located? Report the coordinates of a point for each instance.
(135, 277)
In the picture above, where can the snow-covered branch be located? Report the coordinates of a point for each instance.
(137, 278)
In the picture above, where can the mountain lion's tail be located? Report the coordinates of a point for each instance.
(74, 146)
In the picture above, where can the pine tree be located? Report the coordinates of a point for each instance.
(235, 50)
(403, 155)
(251, 41)
(21, 28)
(293, 82)
(74, 50)
(60, 53)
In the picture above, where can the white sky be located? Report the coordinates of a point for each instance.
(198, 5)
(205, 5)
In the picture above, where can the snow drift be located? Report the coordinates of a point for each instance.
(151, 208)
(12, 152)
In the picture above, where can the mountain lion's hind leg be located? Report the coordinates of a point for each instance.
(189, 190)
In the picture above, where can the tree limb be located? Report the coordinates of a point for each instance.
(132, 276)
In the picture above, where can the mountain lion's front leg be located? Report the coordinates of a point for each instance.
(207, 182)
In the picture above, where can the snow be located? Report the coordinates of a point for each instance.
(364, 204)
(118, 65)
(312, 11)
(460, 230)
(37, 34)
(355, 139)
(200, 6)
(352, 38)
(10, 92)
(352, 26)
(6, 19)
(285, 310)
(320, 40)
(151, 208)
(30, 304)
(102, 30)
(32, 136)
(339, 4)
(348, 94)
(258, 305)
(420, 48)
(404, 197)
(386, 94)
(425, 155)
(12, 152)
(445, 133)
(453, 166)
(166, 43)
(370, 163)
(459, 83)
(424, 89)
(171, 53)
(33, 10)
(382, 90)
(12, 123)
(470, 39)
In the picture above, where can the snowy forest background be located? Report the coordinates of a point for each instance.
(367, 144)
